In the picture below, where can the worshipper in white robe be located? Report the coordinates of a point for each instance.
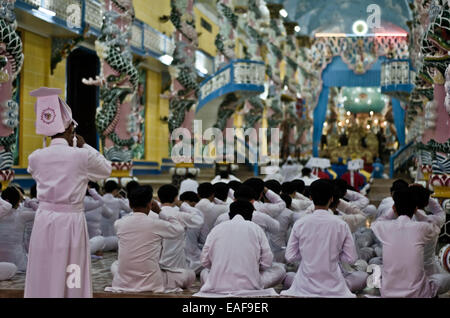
(221, 193)
(7, 270)
(188, 184)
(300, 202)
(273, 172)
(192, 248)
(266, 222)
(173, 250)
(357, 199)
(403, 239)
(140, 242)
(289, 170)
(307, 177)
(428, 210)
(224, 176)
(30, 203)
(279, 239)
(95, 210)
(116, 204)
(237, 258)
(210, 210)
(267, 201)
(12, 229)
(320, 241)
(59, 242)
(387, 203)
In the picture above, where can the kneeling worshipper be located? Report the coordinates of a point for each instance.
(140, 244)
(59, 245)
(320, 242)
(404, 240)
(7, 270)
(237, 258)
(12, 230)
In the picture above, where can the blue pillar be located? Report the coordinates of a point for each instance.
(399, 120)
(320, 114)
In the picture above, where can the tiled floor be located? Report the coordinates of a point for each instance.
(102, 277)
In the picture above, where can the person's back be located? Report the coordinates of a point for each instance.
(188, 184)
(403, 246)
(60, 173)
(115, 204)
(320, 241)
(235, 251)
(403, 240)
(140, 247)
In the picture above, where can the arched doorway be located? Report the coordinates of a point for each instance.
(83, 99)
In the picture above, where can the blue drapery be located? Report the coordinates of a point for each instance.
(337, 74)
(399, 120)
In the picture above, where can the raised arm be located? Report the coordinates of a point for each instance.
(98, 167)
(192, 217)
(357, 199)
(274, 208)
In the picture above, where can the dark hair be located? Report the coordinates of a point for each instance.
(287, 199)
(257, 185)
(288, 188)
(94, 185)
(221, 191)
(190, 196)
(205, 190)
(421, 195)
(234, 184)
(224, 174)
(167, 193)
(306, 171)
(190, 176)
(273, 185)
(342, 186)
(398, 184)
(140, 196)
(299, 185)
(307, 192)
(33, 191)
(12, 195)
(245, 193)
(321, 192)
(243, 208)
(403, 202)
(110, 186)
(337, 195)
(131, 185)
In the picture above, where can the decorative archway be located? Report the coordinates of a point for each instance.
(337, 73)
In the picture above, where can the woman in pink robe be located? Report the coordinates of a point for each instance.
(59, 260)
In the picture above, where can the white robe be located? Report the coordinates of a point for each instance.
(173, 253)
(188, 185)
(140, 244)
(211, 212)
(320, 241)
(234, 255)
(59, 242)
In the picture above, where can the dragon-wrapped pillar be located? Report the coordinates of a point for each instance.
(118, 82)
(11, 61)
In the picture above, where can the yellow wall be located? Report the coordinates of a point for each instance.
(149, 11)
(206, 39)
(156, 132)
(35, 73)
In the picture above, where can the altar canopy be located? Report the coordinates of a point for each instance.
(338, 74)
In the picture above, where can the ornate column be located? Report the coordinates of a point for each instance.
(11, 60)
(118, 81)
